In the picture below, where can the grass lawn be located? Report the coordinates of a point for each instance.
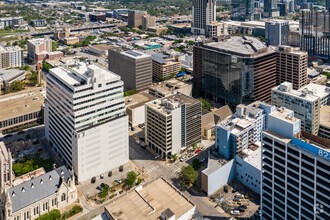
(8, 39)
(11, 32)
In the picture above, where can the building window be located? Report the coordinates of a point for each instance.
(63, 197)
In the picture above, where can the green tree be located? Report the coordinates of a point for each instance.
(187, 176)
(194, 145)
(54, 45)
(139, 181)
(52, 215)
(131, 92)
(73, 211)
(18, 85)
(46, 66)
(196, 164)
(104, 192)
(175, 157)
(131, 178)
(206, 105)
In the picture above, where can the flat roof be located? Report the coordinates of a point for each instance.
(149, 201)
(168, 86)
(318, 90)
(300, 94)
(20, 103)
(138, 100)
(325, 116)
(101, 46)
(253, 156)
(135, 54)
(213, 164)
(283, 113)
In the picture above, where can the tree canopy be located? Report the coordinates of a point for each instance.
(187, 176)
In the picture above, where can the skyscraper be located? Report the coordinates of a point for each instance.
(271, 9)
(203, 13)
(277, 32)
(295, 172)
(242, 9)
(315, 33)
(85, 119)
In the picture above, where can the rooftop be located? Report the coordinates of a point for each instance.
(325, 116)
(137, 100)
(252, 155)
(37, 41)
(317, 90)
(284, 114)
(101, 46)
(210, 119)
(8, 49)
(302, 93)
(243, 46)
(168, 86)
(214, 163)
(149, 201)
(10, 74)
(135, 54)
(20, 103)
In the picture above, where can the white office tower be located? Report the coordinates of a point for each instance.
(295, 171)
(85, 119)
(203, 14)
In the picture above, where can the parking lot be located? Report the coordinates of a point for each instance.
(237, 200)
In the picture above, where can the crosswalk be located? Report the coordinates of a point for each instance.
(154, 166)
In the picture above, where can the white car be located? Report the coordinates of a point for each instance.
(234, 212)
(183, 159)
(137, 142)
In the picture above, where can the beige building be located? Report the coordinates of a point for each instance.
(325, 122)
(163, 66)
(157, 199)
(39, 48)
(216, 29)
(148, 22)
(135, 18)
(71, 40)
(22, 108)
(172, 124)
(170, 87)
(291, 66)
(61, 33)
(11, 57)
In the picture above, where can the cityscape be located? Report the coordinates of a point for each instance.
(165, 109)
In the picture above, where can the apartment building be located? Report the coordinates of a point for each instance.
(295, 173)
(242, 129)
(164, 67)
(204, 14)
(134, 67)
(39, 48)
(11, 57)
(135, 18)
(277, 32)
(148, 22)
(305, 102)
(11, 21)
(172, 124)
(39, 23)
(291, 66)
(85, 119)
(236, 70)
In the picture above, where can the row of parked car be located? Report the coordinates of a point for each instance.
(93, 180)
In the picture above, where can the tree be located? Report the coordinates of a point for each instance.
(181, 70)
(175, 157)
(52, 215)
(46, 66)
(196, 164)
(104, 192)
(139, 181)
(194, 145)
(206, 105)
(187, 176)
(131, 92)
(131, 178)
(18, 85)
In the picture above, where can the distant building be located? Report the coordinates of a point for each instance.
(271, 9)
(71, 40)
(277, 32)
(291, 66)
(7, 77)
(148, 22)
(242, 10)
(94, 140)
(11, 57)
(11, 21)
(164, 67)
(235, 70)
(38, 48)
(159, 199)
(39, 23)
(284, 8)
(170, 87)
(327, 5)
(172, 124)
(325, 122)
(95, 17)
(21, 111)
(60, 33)
(99, 49)
(135, 18)
(135, 68)
(305, 102)
(203, 13)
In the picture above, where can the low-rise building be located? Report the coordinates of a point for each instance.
(10, 21)
(170, 87)
(324, 130)
(39, 23)
(60, 33)
(157, 199)
(71, 40)
(164, 67)
(7, 77)
(172, 124)
(135, 107)
(94, 17)
(99, 49)
(22, 108)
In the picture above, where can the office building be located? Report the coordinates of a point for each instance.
(305, 102)
(11, 57)
(134, 67)
(135, 18)
(314, 33)
(271, 9)
(325, 122)
(295, 173)
(148, 22)
(172, 124)
(284, 8)
(242, 10)
(157, 199)
(95, 17)
(85, 119)
(327, 5)
(242, 129)
(164, 67)
(291, 66)
(237, 70)
(203, 14)
(277, 32)
(38, 48)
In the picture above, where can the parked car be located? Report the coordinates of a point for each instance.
(99, 188)
(110, 173)
(121, 169)
(233, 191)
(101, 176)
(93, 179)
(203, 160)
(104, 184)
(142, 139)
(240, 209)
(238, 195)
(140, 125)
(21, 132)
(197, 151)
(235, 212)
(237, 199)
(8, 135)
(183, 159)
(225, 189)
(133, 129)
(190, 155)
(137, 141)
(118, 181)
(243, 206)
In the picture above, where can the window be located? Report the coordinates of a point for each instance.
(63, 197)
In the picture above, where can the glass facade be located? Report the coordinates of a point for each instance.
(227, 77)
(242, 9)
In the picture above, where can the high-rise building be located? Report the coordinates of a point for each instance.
(305, 102)
(203, 14)
(271, 9)
(237, 70)
(277, 32)
(314, 29)
(291, 66)
(134, 67)
(40, 49)
(327, 4)
(135, 18)
(85, 120)
(295, 172)
(164, 67)
(284, 8)
(173, 124)
(148, 22)
(11, 57)
(242, 9)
